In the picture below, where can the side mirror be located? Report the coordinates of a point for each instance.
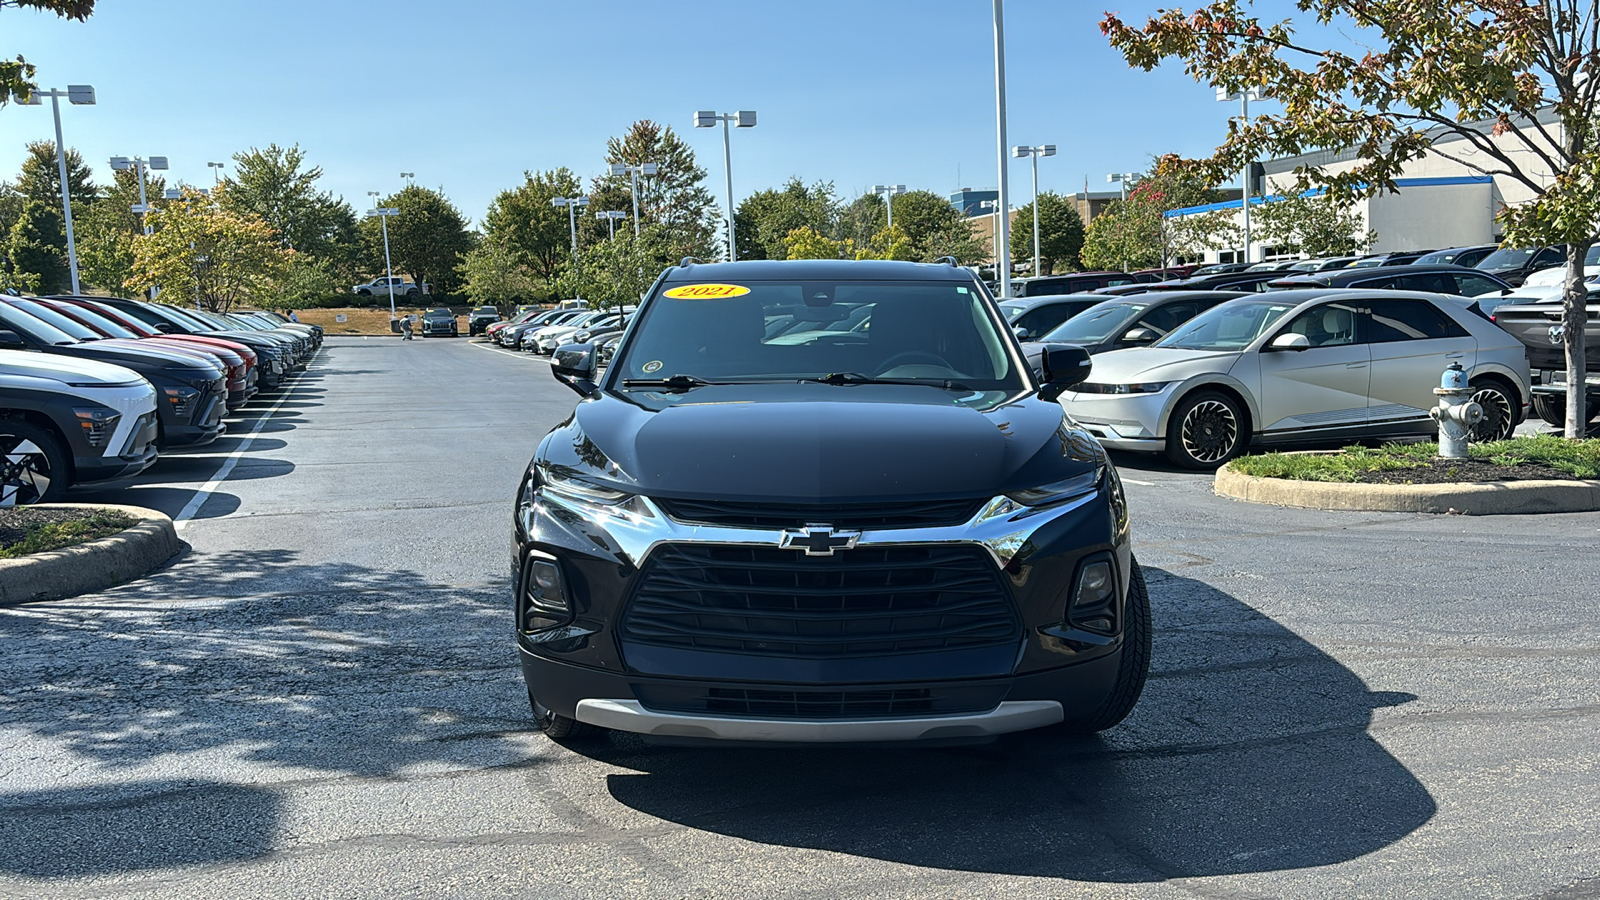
(574, 366)
(1290, 342)
(9, 338)
(1139, 335)
(1021, 333)
(1062, 366)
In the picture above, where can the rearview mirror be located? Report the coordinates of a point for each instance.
(1062, 366)
(1290, 342)
(574, 366)
(1139, 335)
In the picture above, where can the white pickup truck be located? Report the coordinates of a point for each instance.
(379, 287)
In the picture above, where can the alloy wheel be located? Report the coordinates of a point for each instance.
(25, 474)
(1497, 416)
(1210, 431)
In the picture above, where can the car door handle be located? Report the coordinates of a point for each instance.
(1356, 366)
(1454, 355)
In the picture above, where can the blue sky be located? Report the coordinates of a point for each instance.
(469, 94)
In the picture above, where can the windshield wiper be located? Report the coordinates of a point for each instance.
(858, 378)
(671, 382)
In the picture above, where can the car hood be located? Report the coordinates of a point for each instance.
(1139, 364)
(819, 443)
(65, 369)
(1557, 275)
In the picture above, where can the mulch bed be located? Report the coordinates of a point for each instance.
(14, 523)
(1443, 471)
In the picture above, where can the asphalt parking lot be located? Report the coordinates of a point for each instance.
(322, 699)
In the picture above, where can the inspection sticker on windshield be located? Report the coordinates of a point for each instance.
(707, 291)
(651, 367)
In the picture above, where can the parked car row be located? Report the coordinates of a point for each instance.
(94, 388)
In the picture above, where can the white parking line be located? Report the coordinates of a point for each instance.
(1145, 483)
(192, 508)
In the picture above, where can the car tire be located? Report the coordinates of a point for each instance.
(1206, 430)
(1132, 668)
(1553, 410)
(554, 725)
(1499, 411)
(30, 455)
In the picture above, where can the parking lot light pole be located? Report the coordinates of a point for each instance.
(1122, 180)
(408, 176)
(633, 172)
(573, 204)
(77, 95)
(743, 119)
(216, 171)
(1034, 153)
(382, 214)
(1002, 240)
(888, 193)
(993, 206)
(139, 166)
(1244, 98)
(611, 216)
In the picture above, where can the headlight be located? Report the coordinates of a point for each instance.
(1059, 491)
(97, 424)
(181, 399)
(1147, 387)
(573, 488)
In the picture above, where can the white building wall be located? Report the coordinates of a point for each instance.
(1433, 217)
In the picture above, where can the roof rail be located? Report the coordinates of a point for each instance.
(691, 260)
(949, 261)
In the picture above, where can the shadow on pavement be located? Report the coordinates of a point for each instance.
(168, 500)
(134, 826)
(1247, 753)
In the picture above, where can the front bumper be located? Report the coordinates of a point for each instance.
(1123, 421)
(595, 669)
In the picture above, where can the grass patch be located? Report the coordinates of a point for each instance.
(1580, 459)
(55, 535)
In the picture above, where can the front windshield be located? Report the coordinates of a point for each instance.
(100, 322)
(61, 322)
(17, 320)
(923, 331)
(1508, 258)
(1228, 326)
(1095, 324)
(1012, 310)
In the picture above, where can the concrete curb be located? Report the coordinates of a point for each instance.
(1475, 499)
(94, 566)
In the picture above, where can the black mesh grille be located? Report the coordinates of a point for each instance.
(855, 703)
(859, 516)
(870, 601)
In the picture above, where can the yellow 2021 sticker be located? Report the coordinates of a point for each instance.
(707, 291)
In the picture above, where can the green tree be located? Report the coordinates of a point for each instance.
(41, 176)
(105, 232)
(1488, 76)
(1060, 234)
(1315, 224)
(491, 274)
(807, 242)
(675, 197)
(931, 227)
(1127, 235)
(618, 271)
(16, 75)
(764, 220)
(201, 249)
(529, 227)
(37, 259)
(276, 186)
(307, 281)
(1136, 233)
(426, 238)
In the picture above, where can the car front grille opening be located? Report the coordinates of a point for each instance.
(846, 703)
(779, 602)
(857, 516)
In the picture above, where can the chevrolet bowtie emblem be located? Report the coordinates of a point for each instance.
(818, 540)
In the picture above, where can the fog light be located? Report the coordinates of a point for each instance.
(1095, 585)
(544, 597)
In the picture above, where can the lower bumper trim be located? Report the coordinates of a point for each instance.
(630, 715)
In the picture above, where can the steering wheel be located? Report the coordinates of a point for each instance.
(912, 356)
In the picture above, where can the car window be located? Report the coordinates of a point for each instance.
(60, 321)
(1164, 318)
(1409, 320)
(1095, 324)
(1328, 325)
(921, 330)
(1431, 282)
(1046, 318)
(1550, 256)
(1475, 285)
(1228, 326)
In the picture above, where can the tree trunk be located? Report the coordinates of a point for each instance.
(1574, 325)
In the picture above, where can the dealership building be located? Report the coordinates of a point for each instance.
(1445, 199)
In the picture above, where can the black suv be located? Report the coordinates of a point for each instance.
(480, 319)
(1458, 280)
(868, 534)
(440, 321)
